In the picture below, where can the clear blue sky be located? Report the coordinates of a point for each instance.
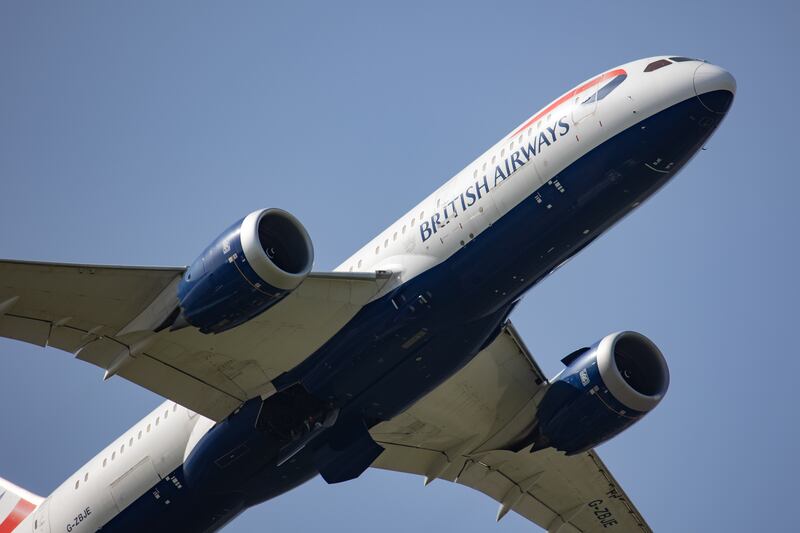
(134, 133)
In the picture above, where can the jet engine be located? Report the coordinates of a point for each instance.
(604, 389)
(253, 265)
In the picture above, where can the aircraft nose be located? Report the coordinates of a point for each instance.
(714, 87)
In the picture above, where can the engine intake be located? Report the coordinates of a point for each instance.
(605, 389)
(253, 265)
(277, 247)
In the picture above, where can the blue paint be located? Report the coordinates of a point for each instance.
(231, 450)
(577, 414)
(220, 290)
(390, 355)
(232, 468)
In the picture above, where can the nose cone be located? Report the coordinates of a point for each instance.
(715, 87)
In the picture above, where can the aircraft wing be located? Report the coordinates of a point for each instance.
(106, 315)
(465, 431)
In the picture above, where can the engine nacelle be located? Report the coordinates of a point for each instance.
(604, 389)
(253, 265)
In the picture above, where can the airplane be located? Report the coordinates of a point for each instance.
(402, 358)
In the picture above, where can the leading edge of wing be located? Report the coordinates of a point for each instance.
(59, 264)
(333, 275)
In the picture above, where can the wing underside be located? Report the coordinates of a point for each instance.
(466, 430)
(106, 315)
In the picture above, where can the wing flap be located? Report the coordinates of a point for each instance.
(25, 329)
(546, 487)
(182, 387)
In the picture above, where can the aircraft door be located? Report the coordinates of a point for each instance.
(584, 105)
(41, 518)
(448, 223)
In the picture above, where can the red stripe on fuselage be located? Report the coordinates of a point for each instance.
(577, 90)
(21, 510)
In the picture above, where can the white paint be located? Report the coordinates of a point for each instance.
(166, 440)
(644, 93)
(257, 257)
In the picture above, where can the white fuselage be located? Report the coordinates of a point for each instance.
(436, 228)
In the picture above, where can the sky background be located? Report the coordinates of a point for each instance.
(134, 133)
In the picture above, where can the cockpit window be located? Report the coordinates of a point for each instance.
(606, 89)
(655, 65)
(681, 59)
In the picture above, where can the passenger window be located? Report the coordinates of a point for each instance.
(113, 455)
(104, 462)
(158, 418)
(122, 449)
(503, 152)
(413, 220)
(377, 250)
(174, 407)
(475, 174)
(395, 236)
(77, 482)
(130, 442)
(404, 229)
(148, 428)
(359, 263)
(86, 477)
(166, 414)
(386, 243)
(655, 65)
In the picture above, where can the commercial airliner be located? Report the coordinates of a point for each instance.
(402, 358)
